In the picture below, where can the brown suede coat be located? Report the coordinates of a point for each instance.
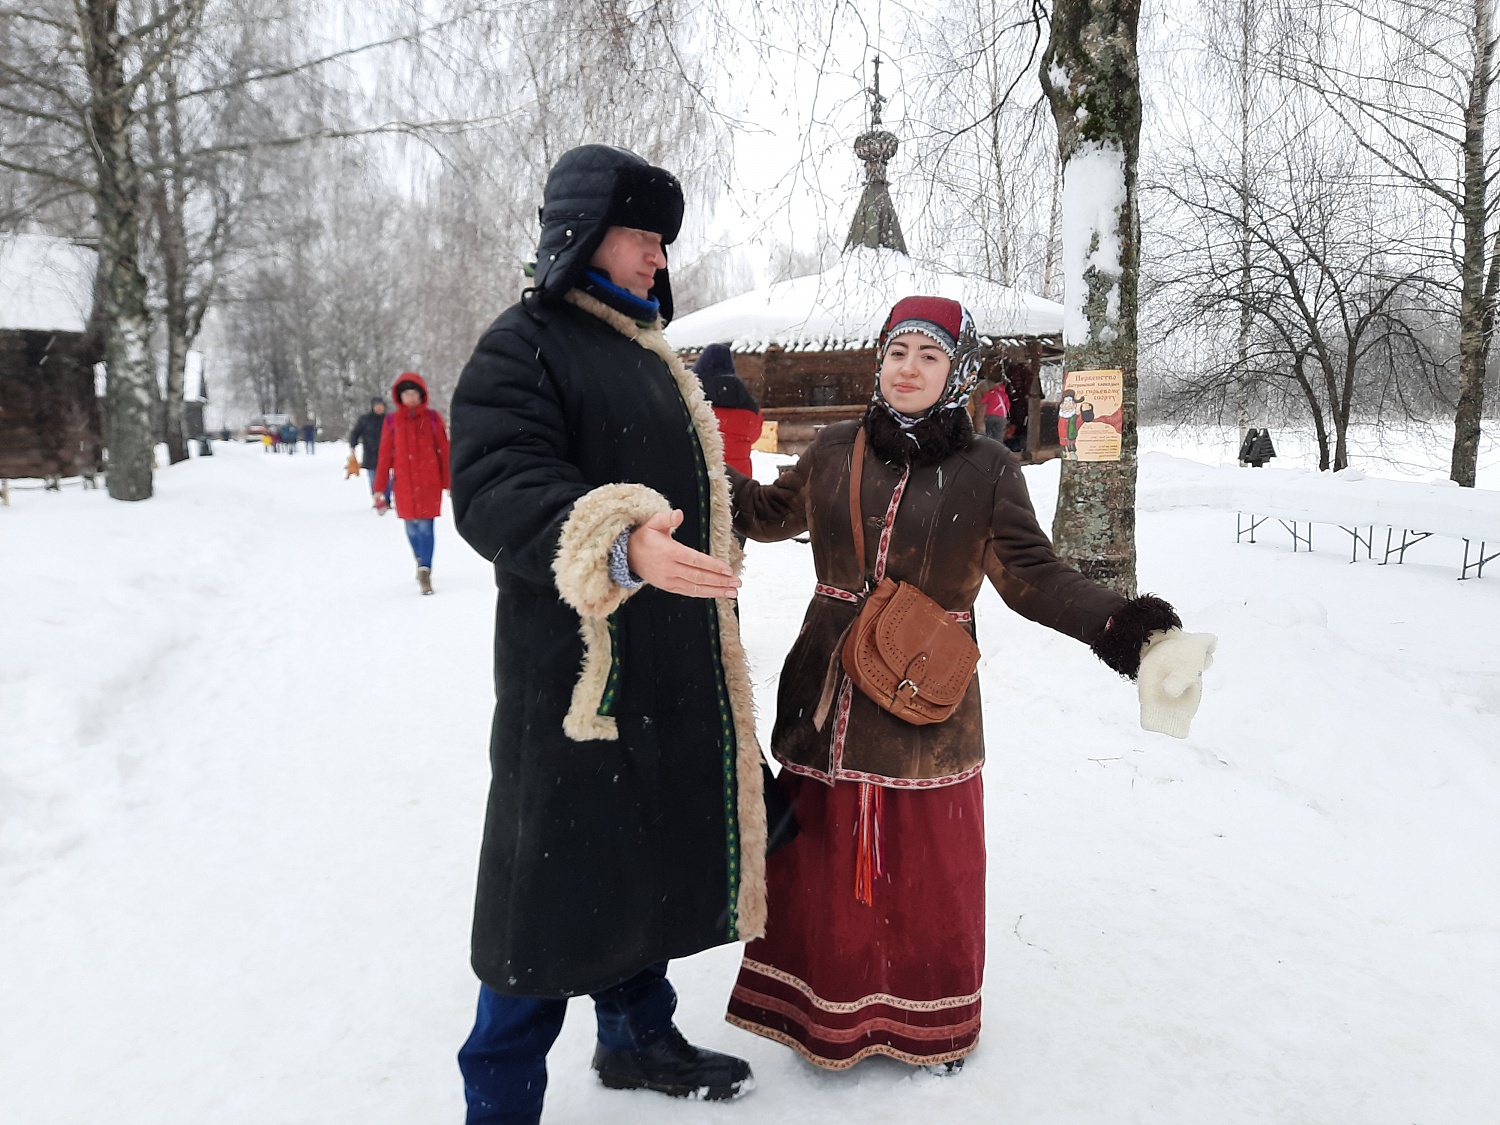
(962, 519)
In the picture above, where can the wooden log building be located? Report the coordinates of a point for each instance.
(50, 423)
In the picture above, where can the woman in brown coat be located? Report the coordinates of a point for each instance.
(875, 938)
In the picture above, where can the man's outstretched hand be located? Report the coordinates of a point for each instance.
(669, 565)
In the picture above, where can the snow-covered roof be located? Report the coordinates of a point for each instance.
(46, 284)
(845, 306)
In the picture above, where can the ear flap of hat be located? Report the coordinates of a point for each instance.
(661, 289)
(575, 204)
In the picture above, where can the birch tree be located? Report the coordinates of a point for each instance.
(73, 78)
(1090, 75)
(94, 104)
(191, 204)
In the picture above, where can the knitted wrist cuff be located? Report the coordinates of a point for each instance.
(1169, 718)
(619, 563)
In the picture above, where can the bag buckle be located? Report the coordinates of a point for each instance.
(915, 691)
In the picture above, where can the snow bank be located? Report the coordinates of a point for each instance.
(1346, 499)
(242, 779)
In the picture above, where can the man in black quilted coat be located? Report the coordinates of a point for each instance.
(625, 823)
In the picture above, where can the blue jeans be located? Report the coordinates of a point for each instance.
(390, 483)
(420, 535)
(504, 1062)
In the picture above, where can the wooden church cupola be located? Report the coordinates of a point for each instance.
(876, 224)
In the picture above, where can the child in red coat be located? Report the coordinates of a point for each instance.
(414, 445)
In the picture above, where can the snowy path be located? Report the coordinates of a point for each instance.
(242, 770)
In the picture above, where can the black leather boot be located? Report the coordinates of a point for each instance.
(674, 1067)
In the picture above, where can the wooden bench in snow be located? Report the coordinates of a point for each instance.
(1348, 500)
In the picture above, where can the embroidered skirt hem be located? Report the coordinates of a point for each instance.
(837, 979)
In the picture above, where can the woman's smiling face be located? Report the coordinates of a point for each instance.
(913, 372)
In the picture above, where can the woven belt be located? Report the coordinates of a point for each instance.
(853, 599)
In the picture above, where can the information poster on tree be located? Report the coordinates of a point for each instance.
(1091, 415)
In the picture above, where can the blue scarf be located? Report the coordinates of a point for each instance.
(642, 310)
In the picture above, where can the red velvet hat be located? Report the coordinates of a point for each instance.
(937, 317)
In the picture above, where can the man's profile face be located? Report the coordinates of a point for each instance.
(631, 258)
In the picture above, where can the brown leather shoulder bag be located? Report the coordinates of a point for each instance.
(904, 651)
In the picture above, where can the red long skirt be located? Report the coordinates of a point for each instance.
(838, 980)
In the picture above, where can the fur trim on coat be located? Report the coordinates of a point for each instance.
(1130, 627)
(751, 906)
(581, 568)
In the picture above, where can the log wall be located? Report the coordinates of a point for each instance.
(50, 423)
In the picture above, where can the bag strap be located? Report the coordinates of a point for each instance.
(856, 476)
(856, 522)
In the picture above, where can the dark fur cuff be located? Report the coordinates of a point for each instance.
(1125, 636)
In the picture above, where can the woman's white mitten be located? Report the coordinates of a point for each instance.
(1170, 681)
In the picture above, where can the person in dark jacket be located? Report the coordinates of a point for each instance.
(310, 436)
(735, 408)
(1257, 448)
(414, 445)
(366, 436)
(625, 824)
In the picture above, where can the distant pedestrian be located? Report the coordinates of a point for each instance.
(275, 439)
(414, 443)
(289, 435)
(310, 436)
(267, 445)
(735, 408)
(996, 411)
(366, 436)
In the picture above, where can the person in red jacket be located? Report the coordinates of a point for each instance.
(414, 444)
(996, 411)
(734, 406)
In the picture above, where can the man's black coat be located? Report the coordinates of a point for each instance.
(625, 823)
(366, 433)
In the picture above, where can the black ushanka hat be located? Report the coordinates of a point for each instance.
(589, 190)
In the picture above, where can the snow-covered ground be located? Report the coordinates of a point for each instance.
(242, 773)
